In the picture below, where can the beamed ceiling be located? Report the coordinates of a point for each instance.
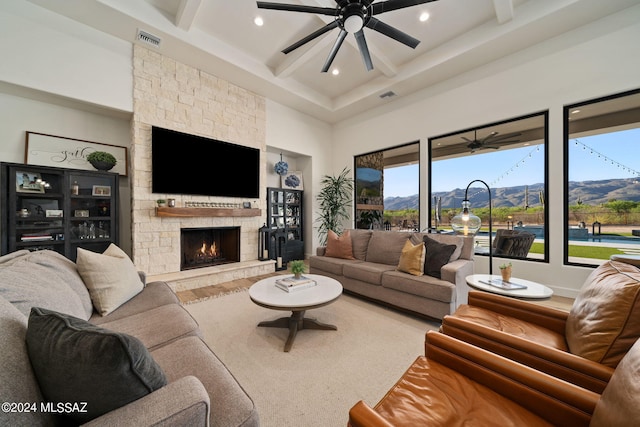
(221, 38)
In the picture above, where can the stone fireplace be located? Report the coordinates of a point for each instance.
(209, 246)
(175, 96)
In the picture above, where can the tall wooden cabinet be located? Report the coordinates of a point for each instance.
(285, 220)
(57, 209)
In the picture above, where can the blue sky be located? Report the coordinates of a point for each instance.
(612, 155)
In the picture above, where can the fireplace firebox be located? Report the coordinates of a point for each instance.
(205, 247)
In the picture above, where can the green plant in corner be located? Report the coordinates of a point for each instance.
(297, 268)
(335, 203)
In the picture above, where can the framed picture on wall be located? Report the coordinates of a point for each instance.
(50, 150)
(292, 180)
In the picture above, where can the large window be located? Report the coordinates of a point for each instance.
(387, 188)
(602, 185)
(511, 158)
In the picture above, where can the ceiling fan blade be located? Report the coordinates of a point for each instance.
(364, 50)
(297, 8)
(388, 6)
(311, 36)
(334, 50)
(501, 138)
(389, 31)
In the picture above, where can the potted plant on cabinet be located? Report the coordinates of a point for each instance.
(161, 203)
(335, 203)
(102, 160)
(297, 268)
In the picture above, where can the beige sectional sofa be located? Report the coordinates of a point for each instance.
(373, 271)
(61, 348)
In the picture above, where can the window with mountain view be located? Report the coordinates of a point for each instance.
(387, 188)
(511, 158)
(602, 186)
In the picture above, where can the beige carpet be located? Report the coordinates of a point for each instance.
(326, 372)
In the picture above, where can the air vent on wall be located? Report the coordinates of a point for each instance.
(389, 94)
(147, 38)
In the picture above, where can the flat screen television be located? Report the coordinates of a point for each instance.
(195, 165)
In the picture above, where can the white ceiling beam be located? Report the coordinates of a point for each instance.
(504, 10)
(187, 12)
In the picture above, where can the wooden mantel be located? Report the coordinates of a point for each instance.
(204, 212)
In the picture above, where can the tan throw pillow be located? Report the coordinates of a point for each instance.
(111, 277)
(412, 259)
(604, 321)
(339, 246)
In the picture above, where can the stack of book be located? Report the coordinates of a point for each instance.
(291, 284)
(503, 284)
(34, 237)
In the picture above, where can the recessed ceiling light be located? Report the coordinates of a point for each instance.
(335, 72)
(258, 21)
(424, 16)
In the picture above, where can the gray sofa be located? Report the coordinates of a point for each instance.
(199, 389)
(373, 272)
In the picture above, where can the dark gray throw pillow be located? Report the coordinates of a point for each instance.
(75, 361)
(438, 254)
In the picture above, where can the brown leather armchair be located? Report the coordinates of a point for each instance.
(458, 383)
(582, 346)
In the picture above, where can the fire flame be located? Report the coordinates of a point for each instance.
(210, 251)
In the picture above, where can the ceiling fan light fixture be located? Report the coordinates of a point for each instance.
(353, 23)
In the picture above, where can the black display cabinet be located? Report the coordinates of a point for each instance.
(285, 224)
(57, 209)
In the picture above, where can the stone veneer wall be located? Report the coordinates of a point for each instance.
(172, 95)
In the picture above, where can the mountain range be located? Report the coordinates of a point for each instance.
(589, 192)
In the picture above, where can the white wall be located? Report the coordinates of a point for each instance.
(45, 51)
(594, 61)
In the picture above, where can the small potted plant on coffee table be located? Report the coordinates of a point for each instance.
(297, 268)
(505, 270)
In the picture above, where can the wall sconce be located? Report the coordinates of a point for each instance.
(468, 224)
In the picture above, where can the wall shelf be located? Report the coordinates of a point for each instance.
(207, 212)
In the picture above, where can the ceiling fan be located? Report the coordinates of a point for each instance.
(489, 140)
(351, 16)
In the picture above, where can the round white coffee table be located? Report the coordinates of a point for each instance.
(265, 293)
(533, 290)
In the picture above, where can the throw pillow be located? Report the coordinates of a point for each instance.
(438, 254)
(111, 277)
(75, 361)
(412, 259)
(603, 322)
(339, 246)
